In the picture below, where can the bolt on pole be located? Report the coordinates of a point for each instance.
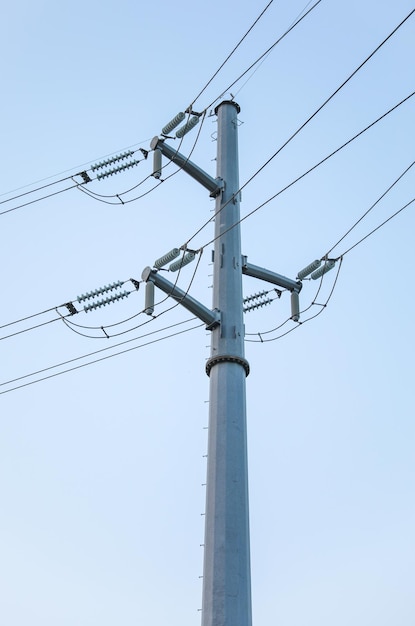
(226, 573)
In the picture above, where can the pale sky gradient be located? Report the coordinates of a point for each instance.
(101, 468)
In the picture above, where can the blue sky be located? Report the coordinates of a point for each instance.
(101, 468)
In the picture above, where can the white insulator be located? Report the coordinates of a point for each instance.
(187, 127)
(295, 306)
(157, 163)
(173, 123)
(149, 298)
(307, 270)
(177, 265)
(255, 296)
(257, 305)
(328, 265)
(167, 258)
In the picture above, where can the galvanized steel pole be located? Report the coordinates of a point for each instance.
(226, 572)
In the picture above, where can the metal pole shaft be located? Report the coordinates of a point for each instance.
(226, 575)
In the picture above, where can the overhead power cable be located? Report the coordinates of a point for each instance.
(395, 182)
(71, 369)
(118, 197)
(307, 121)
(77, 185)
(70, 308)
(108, 335)
(303, 175)
(340, 258)
(28, 317)
(321, 308)
(264, 54)
(264, 57)
(335, 92)
(75, 171)
(405, 206)
(103, 330)
(50, 195)
(231, 53)
(26, 193)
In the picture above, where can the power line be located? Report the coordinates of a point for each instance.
(70, 306)
(308, 120)
(314, 303)
(50, 195)
(370, 208)
(378, 227)
(67, 319)
(303, 175)
(230, 86)
(341, 257)
(76, 185)
(95, 360)
(297, 326)
(264, 57)
(231, 53)
(28, 317)
(26, 193)
(335, 92)
(262, 167)
(101, 197)
(264, 54)
(69, 322)
(84, 356)
(25, 330)
(77, 168)
(302, 311)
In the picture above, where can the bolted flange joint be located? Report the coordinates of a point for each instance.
(227, 358)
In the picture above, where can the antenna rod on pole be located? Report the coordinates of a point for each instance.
(226, 573)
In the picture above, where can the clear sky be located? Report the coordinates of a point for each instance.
(102, 468)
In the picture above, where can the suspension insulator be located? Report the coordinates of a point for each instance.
(177, 265)
(307, 270)
(167, 258)
(117, 170)
(328, 265)
(187, 127)
(111, 160)
(100, 291)
(104, 301)
(173, 123)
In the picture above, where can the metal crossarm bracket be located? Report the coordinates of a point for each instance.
(270, 277)
(211, 318)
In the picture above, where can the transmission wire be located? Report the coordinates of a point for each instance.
(296, 180)
(378, 227)
(370, 208)
(308, 120)
(231, 53)
(294, 328)
(90, 362)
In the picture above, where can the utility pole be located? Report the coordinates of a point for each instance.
(226, 572)
(226, 575)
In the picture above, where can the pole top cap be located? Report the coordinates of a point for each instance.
(235, 104)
